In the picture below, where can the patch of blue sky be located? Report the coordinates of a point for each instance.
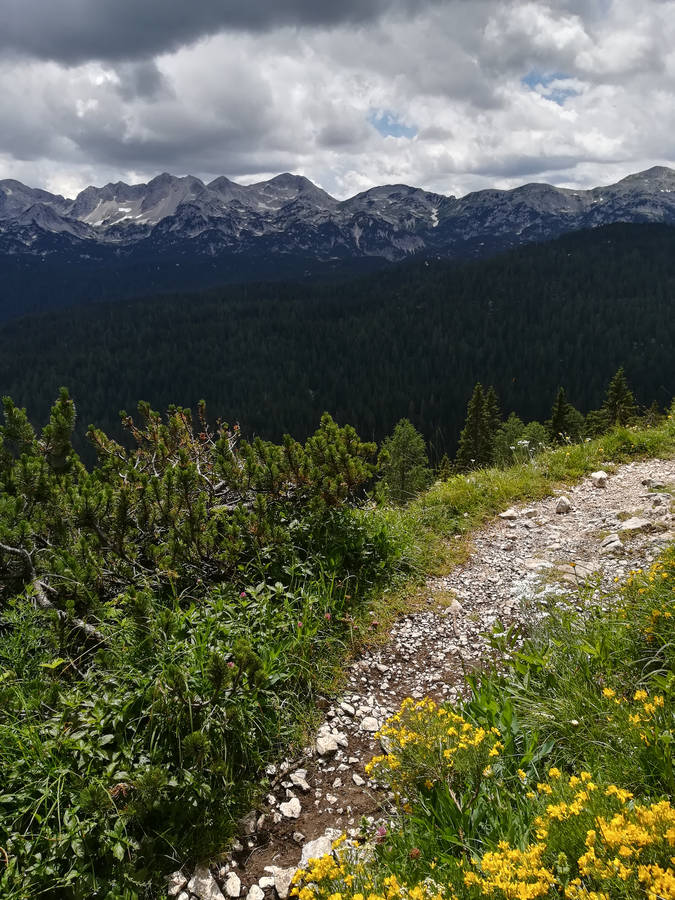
(389, 125)
(550, 85)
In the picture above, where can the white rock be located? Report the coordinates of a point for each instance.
(326, 744)
(509, 514)
(204, 885)
(232, 885)
(599, 479)
(299, 780)
(291, 809)
(255, 893)
(370, 724)
(563, 505)
(267, 881)
(282, 881)
(175, 883)
(322, 846)
(358, 781)
(636, 524)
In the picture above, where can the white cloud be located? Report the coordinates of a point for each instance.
(495, 93)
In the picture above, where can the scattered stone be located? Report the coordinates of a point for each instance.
(509, 514)
(204, 885)
(326, 744)
(298, 837)
(232, 885)
(175, 883)
(299, 779)
(370, 723)
(322, 846)
(291, 809)
(267, 881)
(635, 523)
(282, 881)
(563, 505)
(255, 893)
(599, 479)
(358, 781)
(611, 544)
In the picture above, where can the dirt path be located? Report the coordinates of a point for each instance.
(518, 559)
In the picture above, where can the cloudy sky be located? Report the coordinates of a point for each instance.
(450, 95)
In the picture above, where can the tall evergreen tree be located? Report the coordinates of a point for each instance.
(566, 422)
(444, 468)
(404, 463)
(475, 445)
(493, 419)
(619, 403)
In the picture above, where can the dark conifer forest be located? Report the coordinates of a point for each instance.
(408, 341)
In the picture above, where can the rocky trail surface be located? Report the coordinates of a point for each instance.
(591, 534)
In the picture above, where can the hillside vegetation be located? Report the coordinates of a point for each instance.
(167, 617)
(411, 341)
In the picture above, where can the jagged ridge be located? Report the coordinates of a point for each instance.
(289, 214)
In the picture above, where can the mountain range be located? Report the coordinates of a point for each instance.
(290, 214)
(122, 240)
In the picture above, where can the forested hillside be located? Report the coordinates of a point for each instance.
(410, 341)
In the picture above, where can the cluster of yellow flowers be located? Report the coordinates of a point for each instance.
(592, 842)
(629, 848)
(635, 847)
(346, 875)
(430, 744)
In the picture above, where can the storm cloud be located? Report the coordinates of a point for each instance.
(452, 95)
(75, 31)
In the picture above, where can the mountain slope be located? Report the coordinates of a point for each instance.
(410, 341)
(133, 237)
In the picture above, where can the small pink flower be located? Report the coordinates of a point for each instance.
(327, 617)
(299, 624)
(230, 665)
(243, 594)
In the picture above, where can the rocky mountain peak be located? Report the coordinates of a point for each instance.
(290, 214)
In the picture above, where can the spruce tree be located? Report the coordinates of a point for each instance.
(493, 419)
(404, 464)
(619, 403)
(444, 468)
(475, 446)
(566, 422)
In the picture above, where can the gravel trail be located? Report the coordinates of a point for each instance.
(606, 528)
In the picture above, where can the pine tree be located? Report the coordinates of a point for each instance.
(444, 468)
(619, 403)
(475, 445)
(404, 463)
(566, 422)
(493, 419)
